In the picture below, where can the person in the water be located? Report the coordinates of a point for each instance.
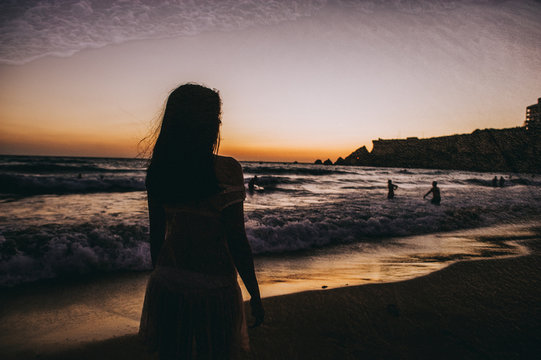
(392, 187)
(252, 183)
(436, 197)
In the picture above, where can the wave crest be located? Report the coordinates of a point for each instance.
(25, 185)
(51, 251)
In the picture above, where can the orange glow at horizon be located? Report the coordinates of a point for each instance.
(66, 144)
(57, 143)
(282, 154)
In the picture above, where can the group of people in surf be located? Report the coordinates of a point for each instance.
(435, 191)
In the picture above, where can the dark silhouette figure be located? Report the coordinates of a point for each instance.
(392, 187)
(252, 183)
(436, 198)
(193, 304)
(502, 181)
(495, 181)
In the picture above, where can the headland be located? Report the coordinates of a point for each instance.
(515, 150)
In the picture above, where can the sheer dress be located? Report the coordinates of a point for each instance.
(193, 303)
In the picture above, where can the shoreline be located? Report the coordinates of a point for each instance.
(503, 236)
(487, 308)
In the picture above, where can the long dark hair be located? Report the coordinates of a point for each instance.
(181, 167)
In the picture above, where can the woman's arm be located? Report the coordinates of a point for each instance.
(242, 256)
(156, 215)
(429, 191)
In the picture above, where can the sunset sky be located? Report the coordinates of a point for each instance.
(299, 80)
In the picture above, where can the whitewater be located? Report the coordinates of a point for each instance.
(67, 216)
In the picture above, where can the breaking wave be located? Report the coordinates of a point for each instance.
(292, 170)
(52, 251)
(25, 185)
(284, 231)
(60, 250)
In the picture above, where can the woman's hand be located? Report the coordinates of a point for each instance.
(257, 311)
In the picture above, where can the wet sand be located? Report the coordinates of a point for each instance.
(482, 309)
(486, 309)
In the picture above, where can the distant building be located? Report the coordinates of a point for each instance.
(533, 116)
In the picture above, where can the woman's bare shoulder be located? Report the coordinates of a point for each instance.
(228, 170)
(227, 161)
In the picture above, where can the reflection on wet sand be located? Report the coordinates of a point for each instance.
(398, 260)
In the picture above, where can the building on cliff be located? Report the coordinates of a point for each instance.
(533, 116)
(513, 150)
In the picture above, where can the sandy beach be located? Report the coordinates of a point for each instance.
(487, 309)
(482, 309)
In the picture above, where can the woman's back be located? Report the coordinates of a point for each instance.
(195, 234)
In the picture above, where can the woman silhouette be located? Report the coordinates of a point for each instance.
(193, 305)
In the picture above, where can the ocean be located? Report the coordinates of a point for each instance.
(63, 217)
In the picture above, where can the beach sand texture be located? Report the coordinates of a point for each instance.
(484, 309)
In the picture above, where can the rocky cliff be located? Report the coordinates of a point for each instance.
(513, 149)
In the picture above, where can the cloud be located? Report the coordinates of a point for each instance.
(33, 29)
